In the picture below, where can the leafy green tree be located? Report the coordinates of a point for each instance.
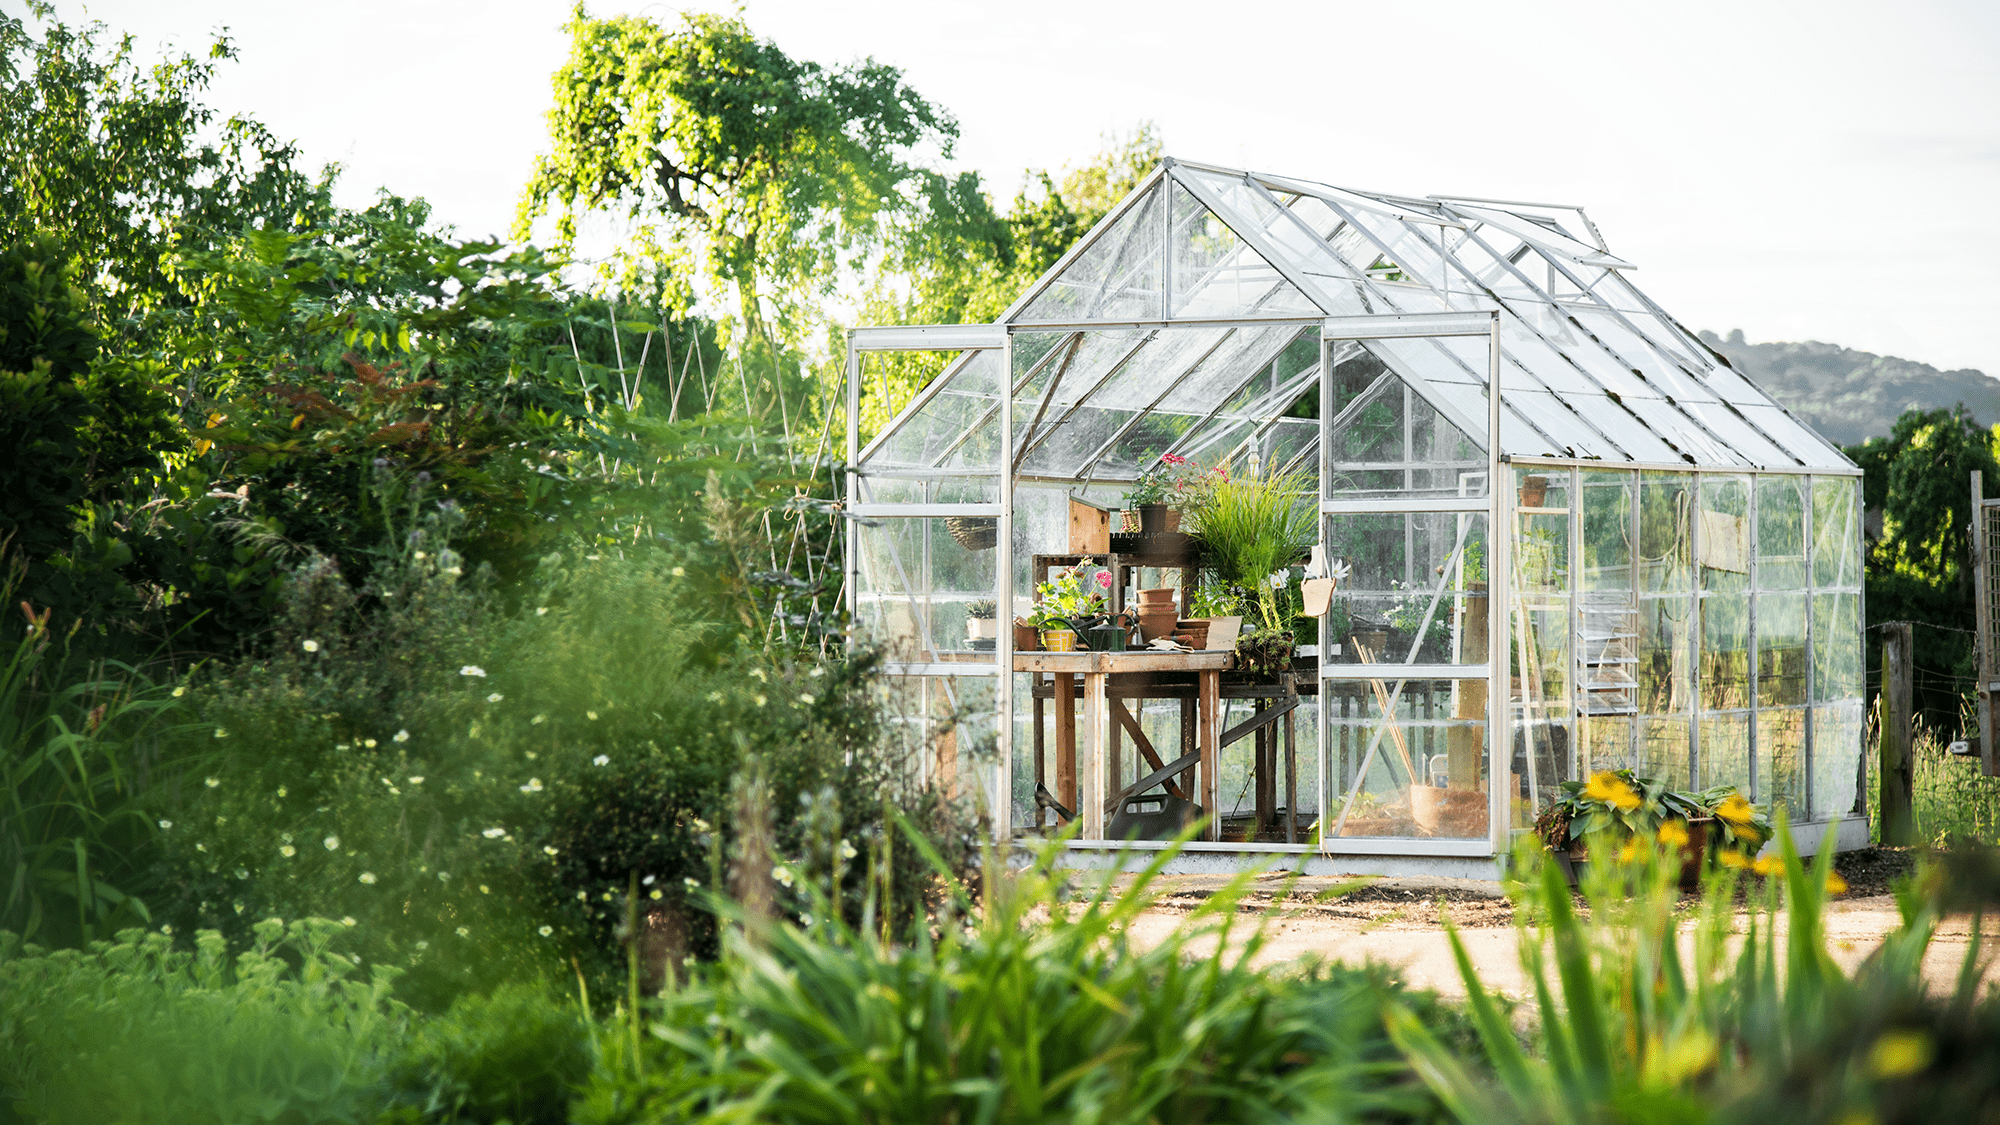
(1918, 479)
(124, 164)
(765, 174)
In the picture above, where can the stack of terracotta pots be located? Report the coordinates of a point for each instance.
(1156, 613)
(1192, 632)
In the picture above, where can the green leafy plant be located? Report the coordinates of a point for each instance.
(1069, 595)
(982, 609)
(1256, 526)
(143, 1029)
(1032, 1008)
(74, 827)
(1757, 1025)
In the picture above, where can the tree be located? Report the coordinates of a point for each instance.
(1919, 568)
(766, 175)
(116, 161)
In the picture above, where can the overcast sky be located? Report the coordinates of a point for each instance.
(1825, 170)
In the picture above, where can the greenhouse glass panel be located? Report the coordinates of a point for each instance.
(1217, 275)
(933, 433)
(1118, 276)
(1539, 638)
(919, 582)
(1836, 544)
(1389, 440)
(1835, 776)
(947, 727)
(1408, 758)
(1417, 591)
(1723, 674)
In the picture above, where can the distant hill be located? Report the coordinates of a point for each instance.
(1851, 396)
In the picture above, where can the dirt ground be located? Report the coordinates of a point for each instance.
(1400, 921)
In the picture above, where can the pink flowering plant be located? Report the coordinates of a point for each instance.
(1071, 593)
(1176, 482)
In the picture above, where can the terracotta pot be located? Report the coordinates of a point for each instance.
(1159, 595)
(1173, 519)
(1448, 812)
(1024, 638)
(1533, 491)
(1155, 625)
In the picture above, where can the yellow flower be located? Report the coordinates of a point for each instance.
(1835, 885)
(1768, 866)
(1629, 852)
(1900, 1053)
(1735, 812)
(1732, 859)
(1612, 790)
(1674, 834)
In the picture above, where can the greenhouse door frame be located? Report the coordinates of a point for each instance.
(960, 339)
(1359, 329)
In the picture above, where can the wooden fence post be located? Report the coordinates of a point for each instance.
(1897, 829)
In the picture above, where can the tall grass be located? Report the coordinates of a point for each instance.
(1257, 525)
(1758, 1024)
(74, 756)
(1951, 800)
(1034, 1008)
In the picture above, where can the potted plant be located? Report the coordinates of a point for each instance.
(1170, 490)
(1068, 603)
(982, 621)
(1406, 617)
(1634, 808)
(1254, 528)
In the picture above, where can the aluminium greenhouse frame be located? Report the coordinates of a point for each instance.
(1200, 314)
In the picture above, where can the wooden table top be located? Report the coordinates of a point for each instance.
(1131, 660)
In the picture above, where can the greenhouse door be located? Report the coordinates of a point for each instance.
(930, 552)
(1415, 628)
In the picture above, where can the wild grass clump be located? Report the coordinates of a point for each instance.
(1033, 1008)
(1757, 1025)
(1951, 801)
(140, 1030)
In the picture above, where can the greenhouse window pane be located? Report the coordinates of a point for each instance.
(1781, 759)
(1838, 729)
(1781, 532)
(1417, 590)
(1117, 277)
(1407, 758)
(918, 578)
(1836, 539)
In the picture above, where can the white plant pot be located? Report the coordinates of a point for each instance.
(982, 628)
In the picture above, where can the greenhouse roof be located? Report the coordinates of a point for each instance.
(1188, 321)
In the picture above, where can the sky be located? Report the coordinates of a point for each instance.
(1825, 170)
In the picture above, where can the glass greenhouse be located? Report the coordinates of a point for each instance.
(1631, 556)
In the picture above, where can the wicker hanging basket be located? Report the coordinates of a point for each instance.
(974, 533)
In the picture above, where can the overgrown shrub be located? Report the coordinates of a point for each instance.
(1030, 1009)
(138, 1030)
(480, 786)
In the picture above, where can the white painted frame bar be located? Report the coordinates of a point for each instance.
(1397, 326)
(927, 338)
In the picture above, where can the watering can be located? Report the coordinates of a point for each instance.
(1101, 633)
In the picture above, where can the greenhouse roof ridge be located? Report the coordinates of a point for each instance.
(1185, 311)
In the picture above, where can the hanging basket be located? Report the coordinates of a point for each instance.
(974, 533)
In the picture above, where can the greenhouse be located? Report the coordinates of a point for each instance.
(1629, 556)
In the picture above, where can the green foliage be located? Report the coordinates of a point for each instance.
(767, 173)
(1920, 479)
(74, 758)
(1759, 1025)
(1036, 1009)
(125, 166)
(140, 1030)
(1255, 526)
(516, 1054)
(73, 432)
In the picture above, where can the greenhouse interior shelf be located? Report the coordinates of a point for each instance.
(1229, 488)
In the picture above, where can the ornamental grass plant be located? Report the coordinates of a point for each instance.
(1645, 1012)
(1034, 1007)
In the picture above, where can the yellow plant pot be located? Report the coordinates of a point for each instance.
(1059, 640)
